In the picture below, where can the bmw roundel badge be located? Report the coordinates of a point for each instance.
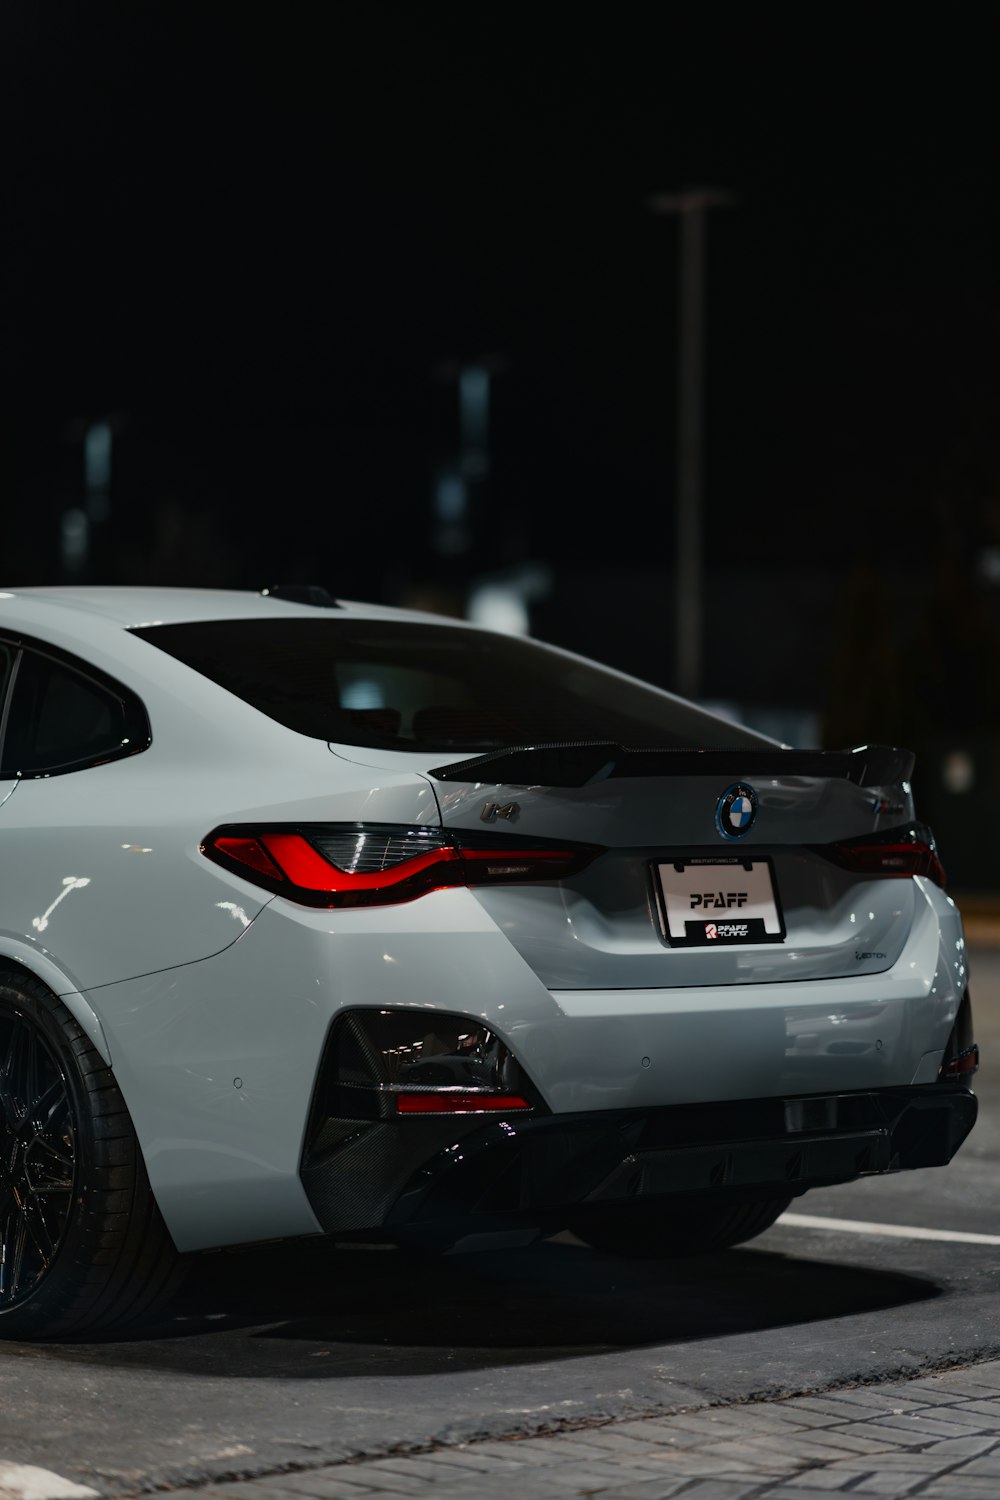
(736, 810)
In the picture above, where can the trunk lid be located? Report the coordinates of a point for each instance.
(610, 925)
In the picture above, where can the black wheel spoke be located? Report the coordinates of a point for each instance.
(16, 1063)
(31, 1085)
(7, 1058)
(48, 1170)
(47, 1104)
(37, 1158)
(19, 1241)
(36, 1230)
(6, 1240)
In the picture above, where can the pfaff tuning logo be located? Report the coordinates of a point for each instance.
(718, 900)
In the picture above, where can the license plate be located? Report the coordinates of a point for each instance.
(719, 903)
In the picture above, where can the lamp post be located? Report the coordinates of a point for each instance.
(689, 205)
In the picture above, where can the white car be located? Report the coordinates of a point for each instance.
(329, 918)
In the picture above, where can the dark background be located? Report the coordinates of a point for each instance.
(260, 244)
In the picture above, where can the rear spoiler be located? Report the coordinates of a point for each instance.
(582, 762)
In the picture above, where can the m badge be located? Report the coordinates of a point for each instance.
(494, 810)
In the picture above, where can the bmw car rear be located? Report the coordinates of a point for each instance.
(641, 972)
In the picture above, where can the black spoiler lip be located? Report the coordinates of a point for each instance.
(577, 763)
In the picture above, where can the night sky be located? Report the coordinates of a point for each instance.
(260, 240)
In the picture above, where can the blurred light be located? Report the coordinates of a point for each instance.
(97, 456)
(474, 419)
(988, 565)
(97, 470)
(498, 606)
(789, 726)
(958, 772)
(74, 539)
(451, 505)
(450, 497)
(362, 693)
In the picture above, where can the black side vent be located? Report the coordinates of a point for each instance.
(302, 593)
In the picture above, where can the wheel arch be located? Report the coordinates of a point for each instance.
(17, 959)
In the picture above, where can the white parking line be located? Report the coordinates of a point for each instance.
(25, 1482)
(892, 1231)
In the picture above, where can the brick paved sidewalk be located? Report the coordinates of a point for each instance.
(937, 1436)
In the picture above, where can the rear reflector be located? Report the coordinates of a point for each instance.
(446, 1103)
(377, 865)
(415, 1061)
(962, 1066)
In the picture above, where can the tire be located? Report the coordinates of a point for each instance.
(716, 1225)
(83, 1249)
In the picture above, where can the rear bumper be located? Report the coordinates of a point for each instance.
(219, 1060)
(443, 1180)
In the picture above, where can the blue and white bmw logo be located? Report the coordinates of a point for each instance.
(736, 810)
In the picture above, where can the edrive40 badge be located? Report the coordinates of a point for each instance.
(736, 810)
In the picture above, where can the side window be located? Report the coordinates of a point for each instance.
(59, 720)
(5, 664)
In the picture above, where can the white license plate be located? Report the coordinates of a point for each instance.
(719, 903)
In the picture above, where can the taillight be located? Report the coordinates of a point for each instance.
(447, 1102)
(380, 865)
(899, 853)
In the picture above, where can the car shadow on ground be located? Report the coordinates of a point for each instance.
(308, 1310)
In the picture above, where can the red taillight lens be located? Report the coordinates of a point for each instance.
(341, 865)
(249, 852)
(307, 868)
(899, 853)
(447, 1102)
(893, 859)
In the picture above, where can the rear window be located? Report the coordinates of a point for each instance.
(429, 687)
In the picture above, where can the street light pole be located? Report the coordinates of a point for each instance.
(689, 205)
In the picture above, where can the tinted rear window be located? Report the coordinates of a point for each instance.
(429, 687)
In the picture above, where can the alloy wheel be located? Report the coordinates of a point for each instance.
(38, 1159)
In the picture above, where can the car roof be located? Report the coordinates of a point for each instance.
(132, 607)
